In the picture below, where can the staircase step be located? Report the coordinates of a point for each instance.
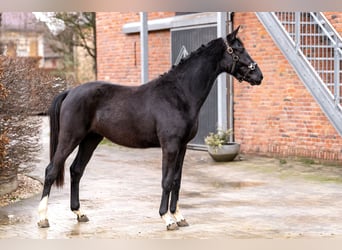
(326, 71)
(314, 46)
(320, 58)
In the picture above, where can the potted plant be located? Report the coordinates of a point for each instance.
(219, 146)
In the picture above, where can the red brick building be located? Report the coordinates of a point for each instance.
(278, 118)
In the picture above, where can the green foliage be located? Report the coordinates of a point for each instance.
(307, 161)
(105, 141)
(282, 161)
(216, 140)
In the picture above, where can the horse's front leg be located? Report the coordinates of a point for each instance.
(174, 208)
(170, 156)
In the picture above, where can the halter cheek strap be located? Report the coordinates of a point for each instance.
(236, 58)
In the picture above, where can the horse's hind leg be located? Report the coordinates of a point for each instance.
(55, 167)
(85, 151)
(54, 170)
(51, 173)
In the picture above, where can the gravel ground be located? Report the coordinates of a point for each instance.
(26, 189)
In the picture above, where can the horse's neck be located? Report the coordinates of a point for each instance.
(196, 86)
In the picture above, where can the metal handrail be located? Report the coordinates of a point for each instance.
(319, 43)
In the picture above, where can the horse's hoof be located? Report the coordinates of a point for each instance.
(43, 223)
(82, 218)
(182, 223)
(172, 227)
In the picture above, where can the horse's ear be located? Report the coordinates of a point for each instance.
(232, 36)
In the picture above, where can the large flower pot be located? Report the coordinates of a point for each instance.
(227, 152)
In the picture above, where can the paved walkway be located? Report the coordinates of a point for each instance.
(253, 198)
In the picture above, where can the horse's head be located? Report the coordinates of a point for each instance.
(238, 62)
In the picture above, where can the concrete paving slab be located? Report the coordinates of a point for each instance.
(256, 197)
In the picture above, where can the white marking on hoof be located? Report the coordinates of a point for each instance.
(178, 216)
(168, 219)
(169, 222)
(181, 222)
(42, 208)
(78, 213)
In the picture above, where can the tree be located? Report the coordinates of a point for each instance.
(79, 31)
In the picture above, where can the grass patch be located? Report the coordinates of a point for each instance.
(282, 161)
(307, 161)
(326, 179)
(107, 142)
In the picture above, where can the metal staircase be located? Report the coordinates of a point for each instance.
(314, 49)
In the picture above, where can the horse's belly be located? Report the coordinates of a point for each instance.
(133, 142)
(127, 135)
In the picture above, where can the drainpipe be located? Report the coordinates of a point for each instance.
(231, 86)
(222, 78)
(144, 47)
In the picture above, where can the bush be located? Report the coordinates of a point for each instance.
(25, 91)
(3, 137)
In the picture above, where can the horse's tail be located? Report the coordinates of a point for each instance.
(54, 112)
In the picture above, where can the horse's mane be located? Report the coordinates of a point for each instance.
(214, 48)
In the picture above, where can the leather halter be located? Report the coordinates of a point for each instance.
(236, 58)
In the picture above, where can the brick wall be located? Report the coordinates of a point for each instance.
(335, 18)
(118, 55)
(278, 118)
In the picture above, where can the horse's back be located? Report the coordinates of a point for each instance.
(130, 116)
(98, 89)
(83, 101)
(117, 112)
(92, 94)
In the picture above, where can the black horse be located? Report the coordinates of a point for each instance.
(162, 113)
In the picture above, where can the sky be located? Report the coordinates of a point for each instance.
(55, 25)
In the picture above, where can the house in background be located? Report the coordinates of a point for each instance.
(22, 35)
